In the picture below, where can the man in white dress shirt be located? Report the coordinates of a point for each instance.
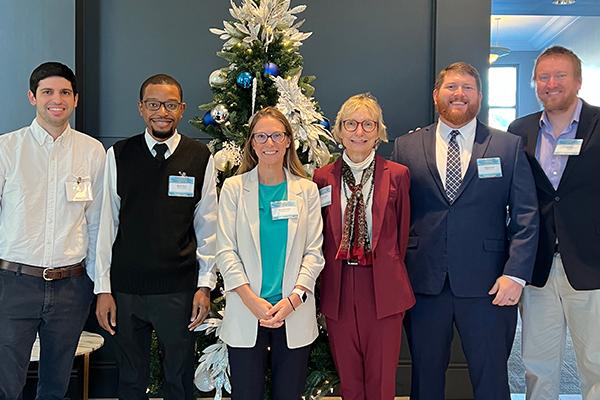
(156, 244)
(50, 195)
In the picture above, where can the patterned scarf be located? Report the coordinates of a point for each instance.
(356, 244)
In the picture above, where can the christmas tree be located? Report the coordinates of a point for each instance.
(264, 68)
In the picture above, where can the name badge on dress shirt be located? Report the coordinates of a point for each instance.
(489, 167)
(325, 194)
(284, 209)
(568, 147)
(79, 189)
(181, 186)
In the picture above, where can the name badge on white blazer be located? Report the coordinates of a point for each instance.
(181, 186)
(325, 194)
(568, 147)
(285, 209)
(489, 167)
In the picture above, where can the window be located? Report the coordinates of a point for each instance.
(502, 98)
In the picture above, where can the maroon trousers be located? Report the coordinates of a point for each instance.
(365, 349)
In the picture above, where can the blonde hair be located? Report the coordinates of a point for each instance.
(249, 157)
(354, 103)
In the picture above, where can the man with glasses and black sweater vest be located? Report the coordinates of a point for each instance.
(156, 244)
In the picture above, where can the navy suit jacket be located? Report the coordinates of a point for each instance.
(491, 229)
(572, 212)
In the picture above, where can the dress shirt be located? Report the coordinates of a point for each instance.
(465, 143)
(205, 219)
(554, 166)
(39, 226)
(357, 171)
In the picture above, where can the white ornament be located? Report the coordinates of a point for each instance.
(218, 77)
(220, 113)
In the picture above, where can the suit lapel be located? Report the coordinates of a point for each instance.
(428, 137)
(587, 124)
(532, 129)
(250, 194)
(480, 145)
(294, 194)
(381, 193)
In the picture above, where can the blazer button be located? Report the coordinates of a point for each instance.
(557, 199)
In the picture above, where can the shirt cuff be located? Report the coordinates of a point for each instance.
(518, 280)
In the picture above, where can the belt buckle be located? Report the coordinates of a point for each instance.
(352, 262)
(45, 276)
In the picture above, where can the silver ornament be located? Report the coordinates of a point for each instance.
(220, 113)
(217, 78)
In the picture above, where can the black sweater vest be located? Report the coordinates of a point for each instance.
(155, 248)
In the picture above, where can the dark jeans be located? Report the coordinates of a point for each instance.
(169, 315)
(56, 311)
(249, 366)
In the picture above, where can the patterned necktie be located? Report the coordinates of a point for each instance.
(453, 175)
(160, 149)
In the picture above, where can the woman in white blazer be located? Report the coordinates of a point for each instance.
(269, 241)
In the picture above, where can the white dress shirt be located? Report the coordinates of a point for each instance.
(39, 225)
(465, 143)
(205, 219)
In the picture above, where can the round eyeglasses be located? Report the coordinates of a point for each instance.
(262, 137)
(351, 125)
(154, 105)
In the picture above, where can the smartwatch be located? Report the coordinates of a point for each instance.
(301, 293)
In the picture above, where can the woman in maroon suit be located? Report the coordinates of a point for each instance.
(364, 287)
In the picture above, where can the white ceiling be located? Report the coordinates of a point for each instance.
(529, 33)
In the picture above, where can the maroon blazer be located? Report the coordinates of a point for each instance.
(391, 219)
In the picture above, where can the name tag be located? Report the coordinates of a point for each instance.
(489, 167)
(284, 209)
(181, 186)
(568, 147)
(79, 189)
(325, 194)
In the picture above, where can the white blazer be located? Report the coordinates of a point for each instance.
(239, 261)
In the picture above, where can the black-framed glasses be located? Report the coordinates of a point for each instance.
(351, 125)
(154, 105)
(262, 137)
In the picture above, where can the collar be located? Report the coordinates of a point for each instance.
(171, 142)
(361, 166)
(42, 136)
(545, 121)
(466, 131)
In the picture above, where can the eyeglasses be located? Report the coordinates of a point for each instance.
(154, 105)
(367, 125)
(262, 137)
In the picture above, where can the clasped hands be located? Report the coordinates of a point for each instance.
(272, 316)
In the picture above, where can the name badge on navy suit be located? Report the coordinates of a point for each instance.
(489, 167)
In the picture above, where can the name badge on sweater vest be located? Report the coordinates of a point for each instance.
(181, 186)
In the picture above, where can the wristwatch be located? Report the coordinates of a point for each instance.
(301, 293)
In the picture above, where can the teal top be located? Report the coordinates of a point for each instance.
(273, 241)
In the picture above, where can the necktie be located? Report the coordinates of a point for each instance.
(160, 149)
(453, 175)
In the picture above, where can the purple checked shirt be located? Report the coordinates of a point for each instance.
(554, 166)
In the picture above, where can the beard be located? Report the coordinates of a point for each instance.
(552, 105)
(457, 117)
(163, 134)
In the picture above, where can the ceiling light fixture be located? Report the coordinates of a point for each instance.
(563, 2)
(497, 51)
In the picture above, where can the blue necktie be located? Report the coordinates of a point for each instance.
(453, 175)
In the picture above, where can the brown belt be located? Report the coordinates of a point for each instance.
(48, 274)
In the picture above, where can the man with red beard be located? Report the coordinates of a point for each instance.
(473, 236)
(156, 244)
(563, 147)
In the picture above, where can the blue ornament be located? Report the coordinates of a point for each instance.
(271, 69)
(208, 120)
(244, 80)
(325, 124)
